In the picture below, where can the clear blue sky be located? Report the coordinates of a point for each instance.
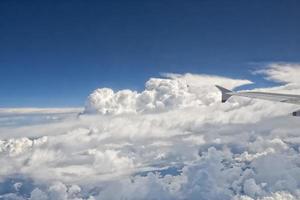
(54, 53)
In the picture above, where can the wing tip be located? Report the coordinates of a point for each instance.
(225, 93)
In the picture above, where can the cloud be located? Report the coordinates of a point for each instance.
(160, 94)
(31, 111)
(200, 80)
(281, 72)
(174, 140)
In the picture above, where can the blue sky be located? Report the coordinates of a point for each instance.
(54, 53)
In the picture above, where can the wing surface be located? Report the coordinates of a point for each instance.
(285, 98)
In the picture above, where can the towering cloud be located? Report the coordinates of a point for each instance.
(160, 94)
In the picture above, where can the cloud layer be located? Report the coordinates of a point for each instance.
(174, 140)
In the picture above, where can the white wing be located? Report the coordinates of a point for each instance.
(286, 98)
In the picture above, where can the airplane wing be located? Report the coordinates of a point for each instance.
(285, 98)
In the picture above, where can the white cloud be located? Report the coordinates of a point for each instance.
(281, 72)
(200, 80)
(160, 94)
(174, 140)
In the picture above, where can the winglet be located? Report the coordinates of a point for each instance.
(226, 94)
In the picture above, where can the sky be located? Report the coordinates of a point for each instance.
(55, 53)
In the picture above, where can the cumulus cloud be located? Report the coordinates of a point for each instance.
(160, 94)
(174, 140)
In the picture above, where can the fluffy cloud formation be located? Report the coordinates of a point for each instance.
(160, 94)
(174, 140)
